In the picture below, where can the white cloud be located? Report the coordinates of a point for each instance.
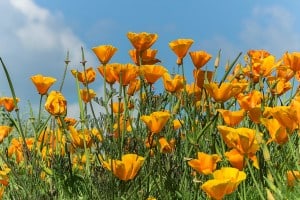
(34, 40)
(272, 28)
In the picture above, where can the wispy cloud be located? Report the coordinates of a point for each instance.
(272, 28)
(34, 40)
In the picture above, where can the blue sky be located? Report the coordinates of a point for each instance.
(36, 34)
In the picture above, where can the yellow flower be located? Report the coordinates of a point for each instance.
(180, 47)
(8, 103)
(292, 177)
(250, 100)
(225, 91)
(125, 169)
(236, 159)
(124, 73)
(107, 72)
(56, 103)
(87, 95)
(16, 148)
(205, 163)
(225, 181)
(202, 77)
(199, 58)
(134, 85)
(173, 84)
(80, 139)
(4, 131)
(147, 57)
(232, 118)
(104, 53)
(85, 77)
(118, 107)
(42, 83)
(156, 120)
(292, 60)
(142, 41)
(277, 132)
(152, 72)
(165, 146)
(177, 124)
(286, 116)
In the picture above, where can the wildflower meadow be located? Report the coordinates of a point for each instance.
(232, 133)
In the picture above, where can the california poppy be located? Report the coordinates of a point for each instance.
(200, 58)
(156, 120)
(125, 169)
(152, 72)
(4, 131)
(232, 118)
(174, 84)
(293, 177)
(104, 53)
(180, 47)
(292, 60)
(16, 148)
(124, 73)
(8, 103)
(87, 94)
(107, 72)
(250, 100)
(42, 83)
(56, 103)
(277, 132)
(147, 57)
(80, 138)
(85, 77)
(142, 41)
(134, 85)
(225, 181)
(225, 91)
(202, 77)
(165, 146)
(205, 163)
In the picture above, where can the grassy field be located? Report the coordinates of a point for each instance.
(233, 133)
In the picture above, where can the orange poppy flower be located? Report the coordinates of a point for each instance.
(142, 41)
(118, 107)
(292, 60)
(152, 72)
(225, 91)
(147, 57)
(250, 100)
(286, 116)
(87, 94)
(56, 103)
(205, 163)
(193, 91)
(180, 47)
(278, 86)
(16, 148)
(134, 85)
(124, 73)
(284, 72)
(293, 177)
(173, 84)
(85, 77)
(201, 76)
(177, 123)
(122, 125)
(125, 169)
(277, 132)
(80, 139)
(165, 146)
(225, 181)
(232, 118)
(107, 72)
(4, 131)
(257, 55)
(104, 53)
(156, 120)
(42, 83)
(200, 58)
(8, 103)
(235, 158)
(245, 140)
